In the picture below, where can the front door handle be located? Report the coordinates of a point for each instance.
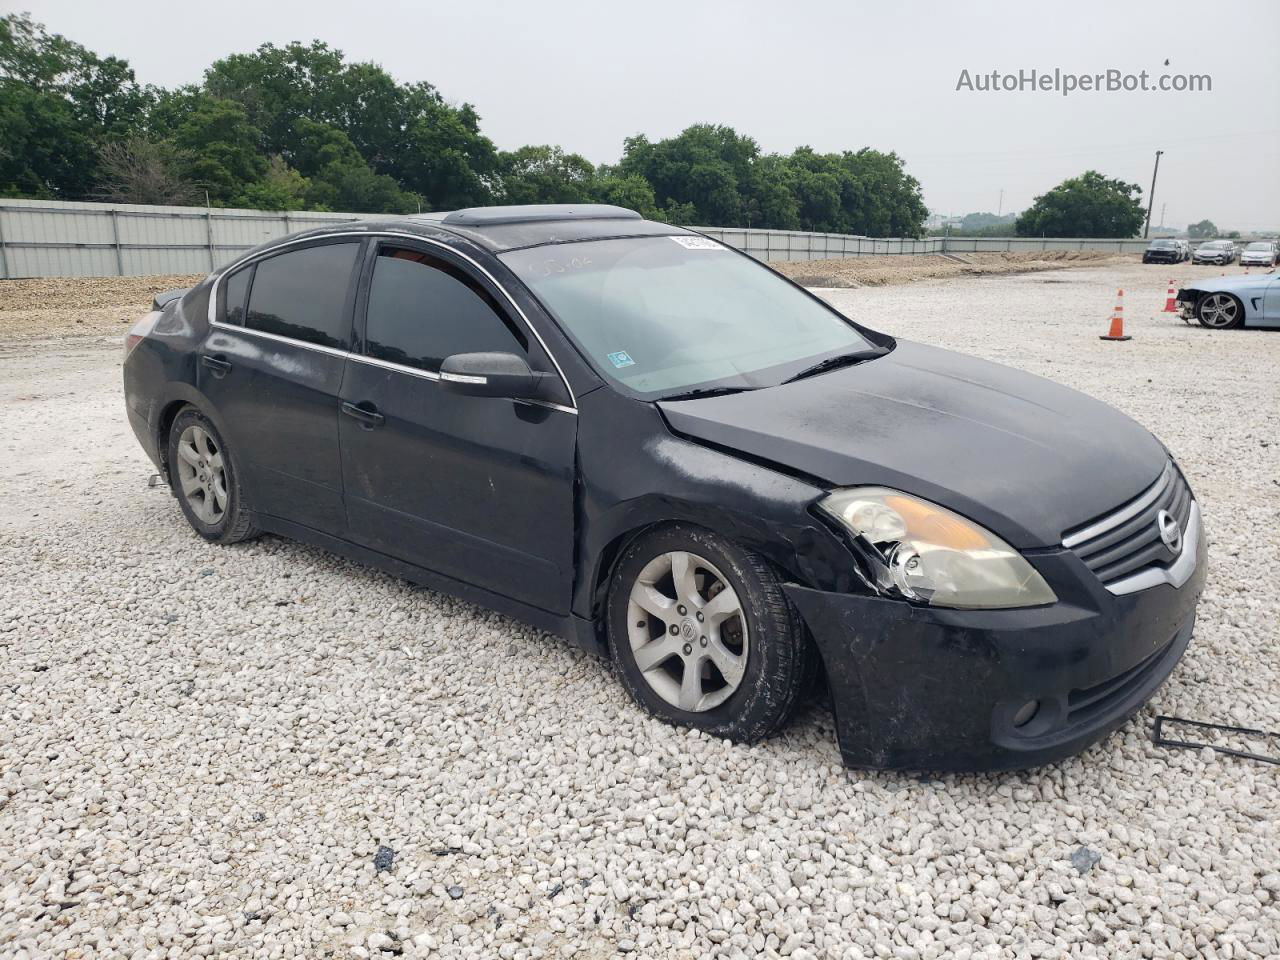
(219, 365)
(366, 413)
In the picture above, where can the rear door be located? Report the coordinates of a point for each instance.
(479, 489)
(272, 366)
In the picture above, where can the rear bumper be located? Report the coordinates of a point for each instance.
(934, 689)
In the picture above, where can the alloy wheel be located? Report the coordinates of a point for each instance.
(202, 475)
(687, 631)
(1219, 310)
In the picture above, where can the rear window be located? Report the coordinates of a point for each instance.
(233, 296)
(303, 295)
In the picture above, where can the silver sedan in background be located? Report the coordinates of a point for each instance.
(1215, 251)
(1260, 253)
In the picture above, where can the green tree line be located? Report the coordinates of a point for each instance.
(299, 127)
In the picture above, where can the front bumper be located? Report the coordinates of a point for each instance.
(922, 688)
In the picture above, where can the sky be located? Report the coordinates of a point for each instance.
(832, 75)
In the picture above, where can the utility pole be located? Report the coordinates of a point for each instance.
(1163, 206)
(1152, 198)
(1000, 206)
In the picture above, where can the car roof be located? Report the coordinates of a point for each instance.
(502, 228)
(492, 229)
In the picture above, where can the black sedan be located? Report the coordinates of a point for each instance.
(629, 434)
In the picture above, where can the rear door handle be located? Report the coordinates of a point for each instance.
(367, 414)
(219, 365)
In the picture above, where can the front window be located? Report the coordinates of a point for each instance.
(664, 315)
(1216, 245)
(423, 309)
(1163, 244)
(1260, 247)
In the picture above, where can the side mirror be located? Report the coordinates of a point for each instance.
(495, 375)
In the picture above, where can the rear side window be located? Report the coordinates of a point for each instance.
(303, 295)
(423, 309)
(233, 296)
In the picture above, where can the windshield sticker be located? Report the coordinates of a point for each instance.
(621, 359)
(698, 243)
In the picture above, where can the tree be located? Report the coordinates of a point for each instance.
(136, 170)
(281, 188)
(59, 103)
(1203, 230)
(1089, 205)
(544, 174)
(219, 147)
(702, 167)
(633, 192)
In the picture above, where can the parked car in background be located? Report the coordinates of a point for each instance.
(1261, 253)
(1164, 250)
(1215, 251)
(1238, 301)
(629, 434)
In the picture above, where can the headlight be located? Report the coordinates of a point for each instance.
(927, 553)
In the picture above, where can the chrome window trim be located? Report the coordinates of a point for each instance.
(1113, 520)
(435, 378)
(318, 347)
(367, 234)
(1177, 573)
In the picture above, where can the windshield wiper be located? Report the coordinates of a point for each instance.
(841, 360)
(706, 392)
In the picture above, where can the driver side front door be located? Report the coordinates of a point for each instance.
(479, 489)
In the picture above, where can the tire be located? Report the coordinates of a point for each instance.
(1220, 311)
(770, 661)
(203, 477)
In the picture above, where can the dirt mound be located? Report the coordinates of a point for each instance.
(78, 306)
(880, 271)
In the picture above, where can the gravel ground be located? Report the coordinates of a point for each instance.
(265, 751)
(885, 270)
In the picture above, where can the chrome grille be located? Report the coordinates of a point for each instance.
(1128, 539)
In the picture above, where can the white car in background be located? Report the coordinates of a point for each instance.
(1215, 251)
(1260, 253)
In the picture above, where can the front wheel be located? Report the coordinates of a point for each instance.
(204, 479)
(703, 635)
(1219, 311)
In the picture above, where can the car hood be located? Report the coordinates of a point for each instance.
(1234, 284)
(1024, 456)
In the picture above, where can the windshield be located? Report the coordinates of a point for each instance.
(1163, 243)
(1216, 245)
(664, 315)
(1258, 246)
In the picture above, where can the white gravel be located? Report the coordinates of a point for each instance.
(265, 751)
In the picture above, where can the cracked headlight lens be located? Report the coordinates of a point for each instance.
(926, 553)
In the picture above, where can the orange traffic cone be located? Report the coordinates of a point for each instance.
(1170, 303)
(1117, 321)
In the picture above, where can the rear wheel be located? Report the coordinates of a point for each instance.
(1219, 311)
(703, 635)
(203, 477)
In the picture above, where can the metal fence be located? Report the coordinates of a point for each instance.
(50, 238)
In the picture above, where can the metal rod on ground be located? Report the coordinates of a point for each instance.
(208, 229)
(115, 239)
(1151, 199)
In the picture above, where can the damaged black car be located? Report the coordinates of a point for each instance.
(631, 435)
